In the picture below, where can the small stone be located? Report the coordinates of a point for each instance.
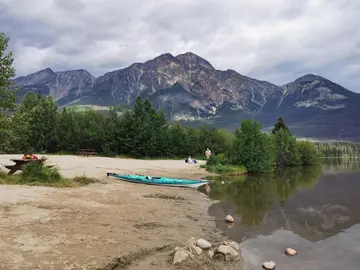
(194, 249)
(290, 252)
(203, 244)
(191, 241)
(211, 253)
(229, 218)
(269, 265)
(232, 244)
(180, 256)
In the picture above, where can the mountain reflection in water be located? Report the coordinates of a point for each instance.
(312, 202)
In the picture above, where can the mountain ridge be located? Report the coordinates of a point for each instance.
(190, 89)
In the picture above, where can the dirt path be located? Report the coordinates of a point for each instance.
(89, 227)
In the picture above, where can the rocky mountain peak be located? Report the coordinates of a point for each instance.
(308, 78)
(40, 77)
(192, 60)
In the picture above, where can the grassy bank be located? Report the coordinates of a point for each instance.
(225, 169)
(36, 174)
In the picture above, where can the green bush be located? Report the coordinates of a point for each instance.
(215, 160)
(38, 172)
(309, 153)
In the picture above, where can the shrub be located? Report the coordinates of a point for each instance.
(309, 153)
(38, 172)
(215, 160)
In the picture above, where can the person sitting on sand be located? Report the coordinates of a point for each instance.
(189, 160)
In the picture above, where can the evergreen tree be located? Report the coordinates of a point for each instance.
(280, 124)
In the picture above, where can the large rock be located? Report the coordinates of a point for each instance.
(232, 244)
(203, 244)
(229, 253)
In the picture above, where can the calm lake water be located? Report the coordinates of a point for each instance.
(315, 210)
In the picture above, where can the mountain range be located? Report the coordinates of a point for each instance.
(192, 91)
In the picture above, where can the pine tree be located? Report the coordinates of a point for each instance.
(280, 124)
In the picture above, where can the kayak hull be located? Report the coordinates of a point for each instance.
(160, 181)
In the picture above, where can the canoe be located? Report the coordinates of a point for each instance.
(158, 180)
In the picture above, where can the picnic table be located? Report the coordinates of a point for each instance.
(19, 163)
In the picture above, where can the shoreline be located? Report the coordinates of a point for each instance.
(90, 227)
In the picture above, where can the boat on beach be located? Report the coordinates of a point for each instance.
(158, 180)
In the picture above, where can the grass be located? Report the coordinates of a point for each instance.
(37, 174)
(225, 169)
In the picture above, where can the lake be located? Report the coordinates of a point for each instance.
(315, 210)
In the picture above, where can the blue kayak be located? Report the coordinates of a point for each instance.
(158, 180)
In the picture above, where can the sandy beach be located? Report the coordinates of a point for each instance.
(107, 225)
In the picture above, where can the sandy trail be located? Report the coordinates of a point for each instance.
(87, 227)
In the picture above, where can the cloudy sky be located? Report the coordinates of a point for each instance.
(274, 40)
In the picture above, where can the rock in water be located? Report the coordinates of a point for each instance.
(229, 253)
(232, 244)
(290, 252)
(229, 218)
(203, 244)
(180, 256)
(269, 265)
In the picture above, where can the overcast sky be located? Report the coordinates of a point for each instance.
(274, 40)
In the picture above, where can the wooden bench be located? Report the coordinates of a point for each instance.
(86, 152)
(19, 163)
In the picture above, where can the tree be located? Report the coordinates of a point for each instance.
(287, 153)
(308, 153)
(42, 123)
(7, 96)
(253, 148)
(280, 124)
(67, 131)
(7, 71)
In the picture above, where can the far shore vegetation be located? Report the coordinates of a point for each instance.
(35, 124)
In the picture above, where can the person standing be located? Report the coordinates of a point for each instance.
(208, 153)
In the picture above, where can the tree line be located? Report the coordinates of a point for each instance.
(339, 149)
(36, 125)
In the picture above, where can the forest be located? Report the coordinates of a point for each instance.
(35, 124)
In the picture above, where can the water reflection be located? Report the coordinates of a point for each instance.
(252, 196)
(336, 165)
(304, 200)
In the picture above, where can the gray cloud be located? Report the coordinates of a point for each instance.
(276, 40)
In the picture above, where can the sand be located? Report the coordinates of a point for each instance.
(108, 225)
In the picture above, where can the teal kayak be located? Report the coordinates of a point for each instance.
(158, 180)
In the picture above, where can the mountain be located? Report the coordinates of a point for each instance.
(64, 86)
(191, 90)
